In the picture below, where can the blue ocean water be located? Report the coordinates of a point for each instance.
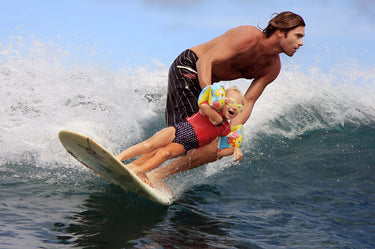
(306, 180)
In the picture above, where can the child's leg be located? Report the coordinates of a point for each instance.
(172, 150)
(142, 159)
(193, 159)
(160, 139)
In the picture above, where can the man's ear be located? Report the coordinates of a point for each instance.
(281, 33)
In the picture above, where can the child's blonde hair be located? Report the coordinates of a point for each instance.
(235, 89)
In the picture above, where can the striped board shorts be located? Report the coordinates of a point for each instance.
(183, 88)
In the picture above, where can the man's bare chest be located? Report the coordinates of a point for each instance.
(250, 67)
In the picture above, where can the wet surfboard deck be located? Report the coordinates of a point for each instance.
(105, 164)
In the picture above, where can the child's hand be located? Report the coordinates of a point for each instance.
(237, 154)
(212, 114)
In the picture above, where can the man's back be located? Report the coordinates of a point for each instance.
(241, 52)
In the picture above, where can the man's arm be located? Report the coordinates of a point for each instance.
(253, 93)
(231, 44)
(236, 152)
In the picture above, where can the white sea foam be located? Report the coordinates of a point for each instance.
(298, 102)
(42, 94)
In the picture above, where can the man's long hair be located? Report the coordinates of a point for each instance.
(284, 21)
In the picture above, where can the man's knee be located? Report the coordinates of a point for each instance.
(203, 155)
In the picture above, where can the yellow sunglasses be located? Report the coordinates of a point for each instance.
(232, 102)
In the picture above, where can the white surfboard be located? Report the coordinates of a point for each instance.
(106, 165)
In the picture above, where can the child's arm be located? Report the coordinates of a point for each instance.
(237, 153)
(212, 114)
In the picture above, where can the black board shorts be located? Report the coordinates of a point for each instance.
(183, 88)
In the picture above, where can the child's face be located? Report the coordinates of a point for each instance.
(229, 110)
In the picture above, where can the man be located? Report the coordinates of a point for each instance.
(242, 52)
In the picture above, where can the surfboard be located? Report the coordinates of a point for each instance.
(105, 164)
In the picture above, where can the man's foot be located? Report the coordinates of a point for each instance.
(131, 166)
(142, 175)
(145, 179)
(159, 184)
(150, 179)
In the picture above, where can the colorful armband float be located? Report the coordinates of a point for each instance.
(214, 95)
(233, 139)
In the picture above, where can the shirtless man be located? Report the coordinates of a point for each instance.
(242, 52)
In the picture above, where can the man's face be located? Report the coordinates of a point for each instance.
(293, 40)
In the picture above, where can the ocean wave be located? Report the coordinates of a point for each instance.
(45, 90)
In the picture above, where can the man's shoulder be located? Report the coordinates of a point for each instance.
(246, 37)
(247, 27)
(247, 31)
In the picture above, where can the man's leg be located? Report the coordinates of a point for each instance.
(193, 159)
(183, 89)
